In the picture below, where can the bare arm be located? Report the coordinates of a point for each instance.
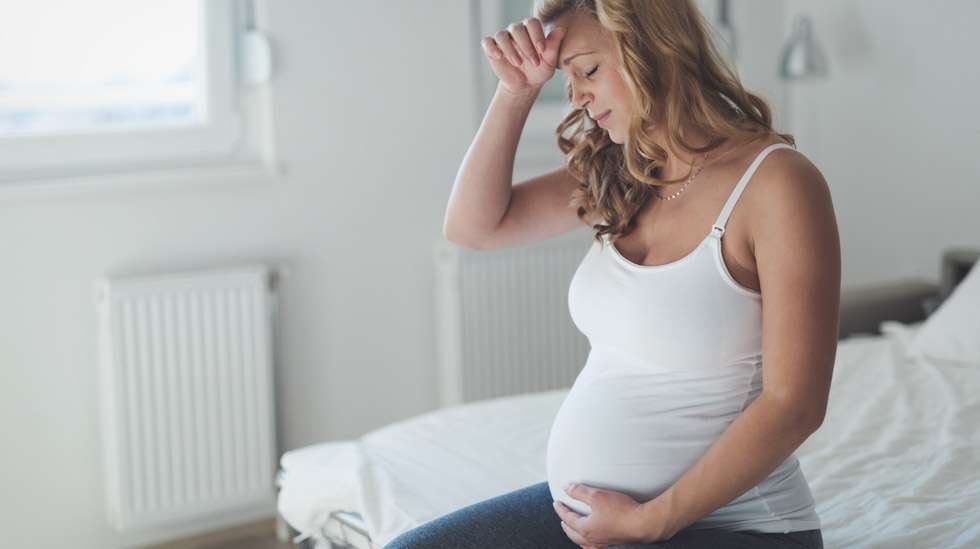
(539, 209)
(797, 248)
(482, 190)
(485, 209)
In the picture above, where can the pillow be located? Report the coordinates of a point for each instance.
(952, 332)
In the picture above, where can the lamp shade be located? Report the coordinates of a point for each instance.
(802, 56)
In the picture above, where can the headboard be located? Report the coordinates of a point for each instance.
(863, 308)
(957, 262)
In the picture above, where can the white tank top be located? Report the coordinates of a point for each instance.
(676, 356)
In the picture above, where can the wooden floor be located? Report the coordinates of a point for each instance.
(267, 541)
(257, 535)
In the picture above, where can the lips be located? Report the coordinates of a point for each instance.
(602, 118)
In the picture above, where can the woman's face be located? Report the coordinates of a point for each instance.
(588, 59)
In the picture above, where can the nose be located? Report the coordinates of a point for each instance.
(580, 97)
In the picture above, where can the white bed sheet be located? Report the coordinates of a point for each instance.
(894, 464)
(318, 480)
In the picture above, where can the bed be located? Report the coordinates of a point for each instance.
(893, 465)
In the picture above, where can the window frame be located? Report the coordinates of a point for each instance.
(230, 143)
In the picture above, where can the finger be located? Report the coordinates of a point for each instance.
(581, 492)
(506, 44)
(499, 62)
(573, 535)
(490, 48)
(536, 33)
(568, 515)
(552, 43)
(523, 42)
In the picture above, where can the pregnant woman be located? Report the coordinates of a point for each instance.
(710, 295)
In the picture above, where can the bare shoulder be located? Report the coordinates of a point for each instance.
(791, 217)
(787, 184)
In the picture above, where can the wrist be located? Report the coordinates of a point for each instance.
(526, 96)
(655, 524)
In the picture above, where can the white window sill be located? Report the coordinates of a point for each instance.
(237, 172)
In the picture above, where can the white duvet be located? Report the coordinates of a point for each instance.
(894, 464)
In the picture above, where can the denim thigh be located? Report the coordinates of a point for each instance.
(726, 539)
(525, 519)
(521, 519)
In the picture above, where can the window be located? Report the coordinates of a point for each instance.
(122, 86)
(536, 149)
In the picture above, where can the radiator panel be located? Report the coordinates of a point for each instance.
(187, 395)
(503, 320)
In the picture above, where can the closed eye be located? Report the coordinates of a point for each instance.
(568, 82)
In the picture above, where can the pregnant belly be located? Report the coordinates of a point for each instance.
(634, 434)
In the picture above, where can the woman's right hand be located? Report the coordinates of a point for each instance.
(521, 57)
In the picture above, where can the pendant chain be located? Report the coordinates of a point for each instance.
(691, 178)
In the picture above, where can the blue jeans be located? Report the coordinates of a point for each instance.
(525, 519)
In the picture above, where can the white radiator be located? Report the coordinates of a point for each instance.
(187, 397)
(502, 319)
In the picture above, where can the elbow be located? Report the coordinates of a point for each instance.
(450, 233)
(462, 241)
(809, 420)
(817, 420)
(800, 415)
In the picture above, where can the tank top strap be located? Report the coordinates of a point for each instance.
(718, 228)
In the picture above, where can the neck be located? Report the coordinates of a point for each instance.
(679, 162)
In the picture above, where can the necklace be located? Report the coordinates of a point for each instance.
(689, 179)
(686, 183)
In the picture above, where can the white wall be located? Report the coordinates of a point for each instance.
(372, 129)
(895, 130)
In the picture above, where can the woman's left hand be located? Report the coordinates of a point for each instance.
(616, 518)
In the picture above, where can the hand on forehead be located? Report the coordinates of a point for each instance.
(566, 22)
(550, 28)
(581, 34)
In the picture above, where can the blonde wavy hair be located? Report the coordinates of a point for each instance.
(676, 77)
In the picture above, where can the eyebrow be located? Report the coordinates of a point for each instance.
(569, 58)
